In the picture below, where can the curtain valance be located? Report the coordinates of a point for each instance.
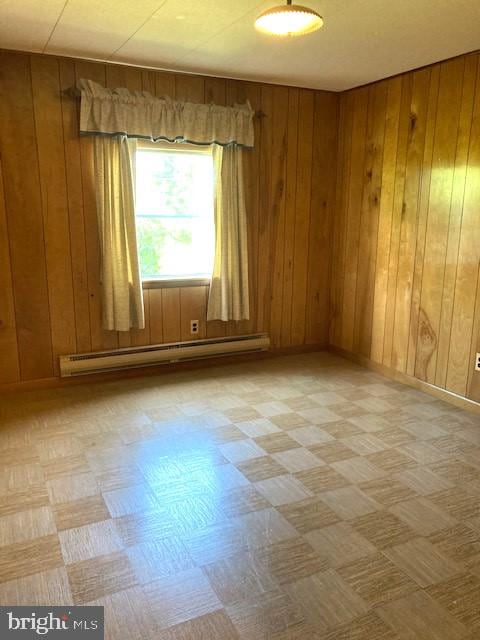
(142, 115)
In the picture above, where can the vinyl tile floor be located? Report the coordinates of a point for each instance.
(300, 497)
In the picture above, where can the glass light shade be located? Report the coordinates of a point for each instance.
(289, 20)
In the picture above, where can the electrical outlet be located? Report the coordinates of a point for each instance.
(193, 327)
(477, 362)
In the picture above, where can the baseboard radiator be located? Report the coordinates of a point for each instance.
(131, 357)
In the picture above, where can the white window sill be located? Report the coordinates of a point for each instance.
(166, 283)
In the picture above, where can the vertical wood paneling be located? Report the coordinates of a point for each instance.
(290, 212)
(423, 204)
(24, 217)
(73, 173)
(453, 259)
(473, 385)
(392, 116)
(277, 200)
(147, 80)
(468, 185)
(471, 226)
(139, 337)
(53, 187)
(426, 307)
(405, 265)
(318, 177)
(189, 88)
(451, 76)
(354, 189)
(171, 315)
(164, 84)
(9, 369)
(307, 204)
(155, 312)
(397, 214)
(216, 91)
(115, 76)
(408, 224)
(341, 207)
(367, 249)
(52, 253)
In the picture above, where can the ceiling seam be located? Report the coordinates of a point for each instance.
(160, 6)
(200, 44)
(55, 25)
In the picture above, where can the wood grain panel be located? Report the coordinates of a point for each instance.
(73, 177)
(277, 200)
(10, 371)
(189, 88)
(51, 162)
(24, 217)
(319, 230)
(408, 225)
(341, 208)
(164, 84)
(385, 216)
(453, 259)
(307, 205)
(423, 205)
(397, 212)
(155, 316)
(290, 211)
(471, 257)
(426, 308)
(115, 76)
(216, 91)
(355, 186)
(451, 76)
(171, 315)
(367, 248)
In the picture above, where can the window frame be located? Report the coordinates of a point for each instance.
(172, 282)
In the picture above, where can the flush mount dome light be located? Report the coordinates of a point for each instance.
(289, 20)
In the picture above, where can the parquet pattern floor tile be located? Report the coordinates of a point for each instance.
(299, 497)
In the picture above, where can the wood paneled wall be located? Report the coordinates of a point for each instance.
(49, 255)
(405, 275)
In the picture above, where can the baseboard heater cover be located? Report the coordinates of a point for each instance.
(150, 355)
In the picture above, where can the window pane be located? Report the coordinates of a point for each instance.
(174, 206)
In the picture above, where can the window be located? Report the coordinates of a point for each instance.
(174, 211)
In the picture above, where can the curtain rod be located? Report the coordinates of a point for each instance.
(74, 92)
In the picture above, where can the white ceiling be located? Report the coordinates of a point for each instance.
(362, 40)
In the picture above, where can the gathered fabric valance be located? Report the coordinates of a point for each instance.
(142, 115)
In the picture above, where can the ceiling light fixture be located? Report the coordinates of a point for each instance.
(289, 20)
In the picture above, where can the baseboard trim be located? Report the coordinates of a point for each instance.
(162, 369)
(388, 372)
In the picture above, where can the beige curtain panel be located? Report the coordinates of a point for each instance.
(228, 294)
(115, 116)
(120, 273)
(142, 115)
